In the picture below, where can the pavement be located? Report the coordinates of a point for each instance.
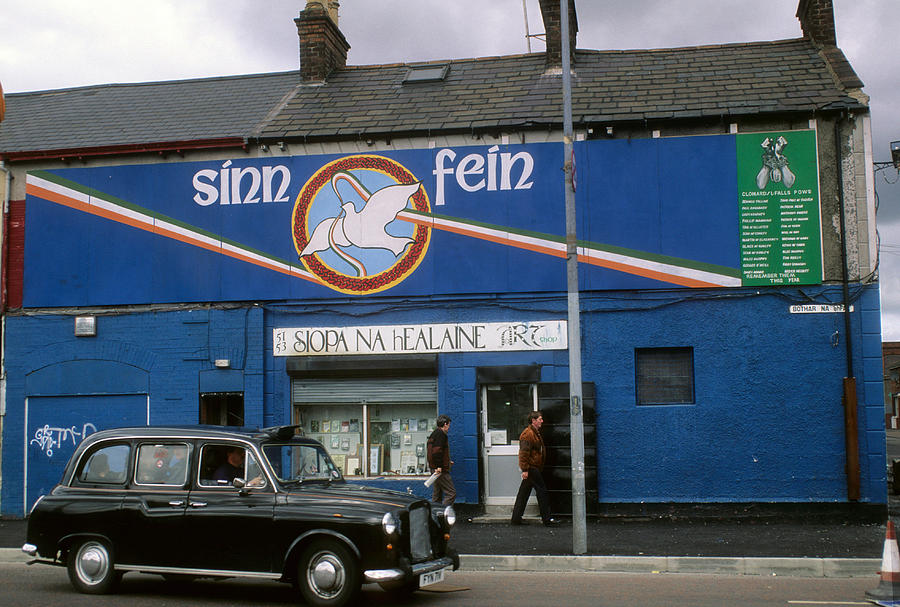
(812, 541)
(807, 540)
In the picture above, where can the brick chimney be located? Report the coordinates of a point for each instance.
(817, 21)
(553, 31)
(323, 47)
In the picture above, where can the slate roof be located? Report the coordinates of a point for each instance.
(490, 93)
(609, 86)
(141, 114)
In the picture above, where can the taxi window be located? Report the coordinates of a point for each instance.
(106, 465)
(162, 464)
(221, 464)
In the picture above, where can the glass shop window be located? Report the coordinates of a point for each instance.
(664, 376)
(373, 439)
(508, 406)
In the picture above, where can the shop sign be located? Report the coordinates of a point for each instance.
(421, 339)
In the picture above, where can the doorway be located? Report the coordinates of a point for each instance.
(504, 414)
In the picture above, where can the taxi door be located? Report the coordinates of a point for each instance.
(228, 529)
(155, 503)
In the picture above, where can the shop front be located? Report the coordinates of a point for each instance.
(372, 394)
(372, 414)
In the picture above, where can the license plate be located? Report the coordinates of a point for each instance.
(432, 577)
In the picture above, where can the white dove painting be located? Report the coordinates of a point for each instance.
(360, 228)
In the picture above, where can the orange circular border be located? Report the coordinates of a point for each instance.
(382, 281)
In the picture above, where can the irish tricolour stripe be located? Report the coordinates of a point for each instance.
(67, 193)
(672, 270)
(684, 272)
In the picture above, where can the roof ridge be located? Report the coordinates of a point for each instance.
(681, 49)
(541, 54)
(110, 85)
(441, 61)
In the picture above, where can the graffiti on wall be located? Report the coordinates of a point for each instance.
(48, 438)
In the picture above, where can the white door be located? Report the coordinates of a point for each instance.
(504, 414)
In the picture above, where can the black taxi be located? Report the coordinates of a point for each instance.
(216, 502)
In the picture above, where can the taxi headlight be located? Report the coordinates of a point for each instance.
(450, 516)
(389, 523)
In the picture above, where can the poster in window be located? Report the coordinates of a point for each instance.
(408, 462)
(326, 425)
(423, 425)
(354, 425)
(314, 425)
(420, 450)
(376, 458)
(351, 466)
(335, 441)
(345, 426)
(380, 434)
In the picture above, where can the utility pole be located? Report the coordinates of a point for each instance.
(579, 523)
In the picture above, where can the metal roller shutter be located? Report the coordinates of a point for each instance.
(371, 390)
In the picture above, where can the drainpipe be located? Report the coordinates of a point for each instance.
(851, 425)
(4, 213)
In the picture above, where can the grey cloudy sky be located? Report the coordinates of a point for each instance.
(48, 44)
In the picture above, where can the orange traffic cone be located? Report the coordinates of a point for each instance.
(889, 586)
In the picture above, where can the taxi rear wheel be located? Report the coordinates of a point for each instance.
(91, 567)
(328, 575)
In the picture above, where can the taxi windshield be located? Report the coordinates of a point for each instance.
(292, 462)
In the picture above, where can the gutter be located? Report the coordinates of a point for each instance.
(165, 147)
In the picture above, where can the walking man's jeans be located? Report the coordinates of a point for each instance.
(534, 481)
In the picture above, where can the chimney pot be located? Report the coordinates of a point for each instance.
(323, 47)
(550, 11)
(817, 21)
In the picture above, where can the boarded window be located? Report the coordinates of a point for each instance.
(664, 376)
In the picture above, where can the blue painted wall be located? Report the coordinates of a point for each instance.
(223, 231)
(767, 424)
(164, 354)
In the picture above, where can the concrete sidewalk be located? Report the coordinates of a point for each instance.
(789, 567)
(758, 544)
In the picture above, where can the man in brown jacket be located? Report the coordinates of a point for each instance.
(531, 464)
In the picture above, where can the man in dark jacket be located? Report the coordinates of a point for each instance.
(531, 465)
(438, 453)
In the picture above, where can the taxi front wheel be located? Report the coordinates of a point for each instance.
(328, 574)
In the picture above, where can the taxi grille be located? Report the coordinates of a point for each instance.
(419, 534)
